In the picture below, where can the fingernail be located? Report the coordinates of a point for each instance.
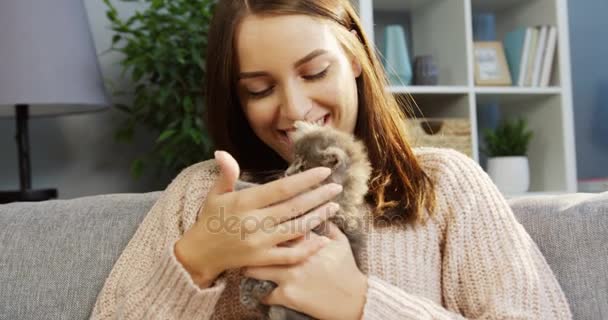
(334, 207)
(335, 188)
(216, 154)
(324, 172)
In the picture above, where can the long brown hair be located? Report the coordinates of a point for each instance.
(399, 188)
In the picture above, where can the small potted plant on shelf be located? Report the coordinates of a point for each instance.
(506, 148)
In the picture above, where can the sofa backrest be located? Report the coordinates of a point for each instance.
(55, 255)
(572, 233)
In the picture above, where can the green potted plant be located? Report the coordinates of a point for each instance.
(163, 51)
(507, 149)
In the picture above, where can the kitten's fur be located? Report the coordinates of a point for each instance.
(316, 146)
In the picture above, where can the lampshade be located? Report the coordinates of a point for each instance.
(48, 59)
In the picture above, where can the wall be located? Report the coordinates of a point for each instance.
(77, 154)
(589, 49)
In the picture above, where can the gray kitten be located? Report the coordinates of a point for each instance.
(316, 146)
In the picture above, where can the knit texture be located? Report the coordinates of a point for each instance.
(472, 260)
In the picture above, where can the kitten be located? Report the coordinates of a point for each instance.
(316, 146)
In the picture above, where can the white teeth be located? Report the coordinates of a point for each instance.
(290, 135)
(319, 122)
(301, 126)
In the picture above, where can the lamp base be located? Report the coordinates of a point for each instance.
(27, 195)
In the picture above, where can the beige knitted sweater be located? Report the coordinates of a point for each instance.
(474, 260)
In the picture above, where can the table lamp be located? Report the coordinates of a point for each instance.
(48, 67)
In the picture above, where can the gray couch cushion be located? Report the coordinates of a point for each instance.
(55, 255)
(572, 233)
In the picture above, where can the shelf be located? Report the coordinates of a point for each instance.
(400, 5)
(445, 41)
(429, 89)
(495, 5)
(511, 15)
(433, 105)
(412, 89)
(517, 90)
(443, 29)
(510, 95)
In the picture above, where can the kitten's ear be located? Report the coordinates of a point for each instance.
(334, 157)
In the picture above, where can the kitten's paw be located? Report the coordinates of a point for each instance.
(247, 295)
(264, 288)
(277, 313)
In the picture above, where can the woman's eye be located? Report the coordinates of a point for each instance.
(264, 93)
(260, 94)
(317, 76)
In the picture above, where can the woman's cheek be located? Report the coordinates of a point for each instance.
(260, 117)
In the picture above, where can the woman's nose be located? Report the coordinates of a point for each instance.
(295, 103)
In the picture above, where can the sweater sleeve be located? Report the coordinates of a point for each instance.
(491, 268)
(147, 279)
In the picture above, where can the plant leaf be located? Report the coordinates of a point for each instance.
(162, 47)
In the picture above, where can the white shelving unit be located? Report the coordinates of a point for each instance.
(443, 28)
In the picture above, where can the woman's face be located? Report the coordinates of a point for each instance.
(291, 67)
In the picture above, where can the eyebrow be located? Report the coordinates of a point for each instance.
(308, 57)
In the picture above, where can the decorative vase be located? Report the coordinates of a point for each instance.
(425, 71)
(396, 57)
(510, 174)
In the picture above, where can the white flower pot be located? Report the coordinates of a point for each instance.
(510, 174)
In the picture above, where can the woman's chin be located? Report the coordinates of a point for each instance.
(287, 155)
(283, 151)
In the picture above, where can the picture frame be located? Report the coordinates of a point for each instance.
(491, 67)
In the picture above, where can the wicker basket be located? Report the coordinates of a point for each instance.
(451, 133)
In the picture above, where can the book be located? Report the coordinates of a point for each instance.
(549, 57)
(524, 58)
(531, 56)
(540, 51)
(514, 43)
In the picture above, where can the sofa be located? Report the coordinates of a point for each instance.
(55, 255)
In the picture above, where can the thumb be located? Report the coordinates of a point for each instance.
(229, 173)
(333, 232)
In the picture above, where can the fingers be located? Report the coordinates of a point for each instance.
(269, 273)
(297, 253)
(282, 189)
(304, 202)
(277, 259)
(303, 225)
(229, 173)
(333, 232)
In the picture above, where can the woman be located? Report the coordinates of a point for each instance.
(442, 241)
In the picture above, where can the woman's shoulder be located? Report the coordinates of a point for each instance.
(463, 190)
(201, 173)
(203, 168)
(445, 161)
(454, 174)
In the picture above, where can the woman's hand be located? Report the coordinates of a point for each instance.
(243, 228)
(328, 285)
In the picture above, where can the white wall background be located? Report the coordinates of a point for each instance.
(77, 154)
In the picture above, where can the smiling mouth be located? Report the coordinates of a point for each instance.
(286, 135)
